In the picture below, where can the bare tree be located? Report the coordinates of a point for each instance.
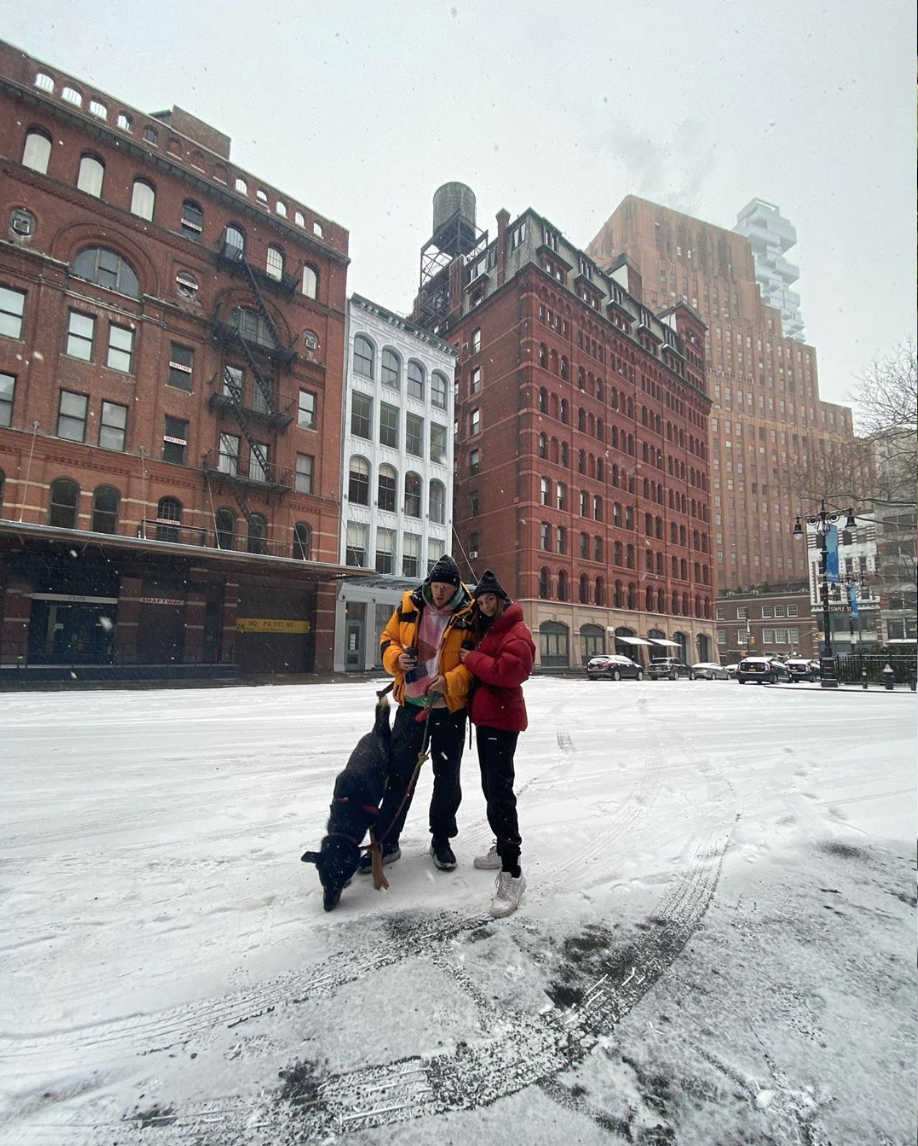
(887, 403)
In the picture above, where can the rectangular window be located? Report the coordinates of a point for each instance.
(356, 553)
(7, 390)
(234, 383)
(361, 415)
(112, 426)
(12, 307)
(306, 410)
(720, 613)
(414, 435)
(475, 380)
(792, 610)
(721, 636)
(120, 348)
(71, 421)
(175, 440)
(411, 555)
(767, 611)
(229, 454)
(388, 425)
(475, 422)
(437, 442)
(181, 365)
(474, 461)
(81, 330)
(780, 636)
(768, 636)
(742, 613)
(779, 611)
(435, 550)
(259, 462)
(305, 465)
(793, 636)
(385, 550)
(476, 341)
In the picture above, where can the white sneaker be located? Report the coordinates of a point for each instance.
(489, 862)
(508, 894)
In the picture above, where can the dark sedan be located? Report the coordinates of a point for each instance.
(761, 670)
(612, 667)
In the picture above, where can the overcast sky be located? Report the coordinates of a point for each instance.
(361, 110)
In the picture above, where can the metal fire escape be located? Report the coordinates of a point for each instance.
(258, 342)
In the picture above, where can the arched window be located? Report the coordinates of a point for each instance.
(105, 503)
(364, 356)
(545, 583)
(564, 367)
(592, 642)
(192, 220)
(234, 237)
(91, 175)
(543, 446)
(562, 585)
(387, 486)
(565, 412)
(310, 282)
(258, 534)
(438, 389)
(554, 644)
(600, 591)
(150, 135)
(168, 518)
(302, 541)
(415, 379)
(543, 355)
(412, 495)
(390, 369)
(143, 199)
(437, 502)
(36, 151)
(62, 503)
(543, 401)
(105, 268)
(274, 263)
(358, 485)
(225, 526)
(649, 598)
(583, 590)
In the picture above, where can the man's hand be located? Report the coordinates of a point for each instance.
(405, 662)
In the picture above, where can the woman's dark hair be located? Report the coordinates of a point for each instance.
(481, 623)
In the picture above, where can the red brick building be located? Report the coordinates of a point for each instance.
(582, 472)
(171, 353)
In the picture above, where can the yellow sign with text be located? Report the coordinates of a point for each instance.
(271, 625)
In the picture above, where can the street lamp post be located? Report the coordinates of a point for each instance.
(822, 523)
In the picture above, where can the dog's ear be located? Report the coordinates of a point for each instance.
(311, 857)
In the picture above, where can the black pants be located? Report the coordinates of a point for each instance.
(496, 749)
(447, 737)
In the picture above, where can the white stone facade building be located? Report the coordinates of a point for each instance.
(396, 468)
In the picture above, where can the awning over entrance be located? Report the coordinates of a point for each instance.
(634, 641)
(667, 644)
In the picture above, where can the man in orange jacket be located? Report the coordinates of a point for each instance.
(420, 648)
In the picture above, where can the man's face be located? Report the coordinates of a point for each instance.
(442, 592)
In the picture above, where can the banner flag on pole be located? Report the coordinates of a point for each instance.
(852, 597)
(832, 554)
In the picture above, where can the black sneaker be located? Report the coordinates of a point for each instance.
(390, 853)
(443, 856)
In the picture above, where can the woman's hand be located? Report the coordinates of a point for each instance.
(463, 653)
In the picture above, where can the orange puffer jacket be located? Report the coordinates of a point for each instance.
(402, 633)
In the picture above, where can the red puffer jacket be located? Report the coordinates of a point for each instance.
(499, 666)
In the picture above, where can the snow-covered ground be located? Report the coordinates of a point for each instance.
(717, 947)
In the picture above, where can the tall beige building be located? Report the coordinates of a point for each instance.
(766, 412)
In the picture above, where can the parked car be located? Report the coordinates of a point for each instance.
(708, 670)
(613, 667)
(669, 668)
(761, 670)
(731, 670)
(799, 669)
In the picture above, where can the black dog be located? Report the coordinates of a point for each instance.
(354, 809)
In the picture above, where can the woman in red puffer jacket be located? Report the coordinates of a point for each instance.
(499, 665)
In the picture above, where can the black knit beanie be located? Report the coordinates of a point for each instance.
(490, 584)
(447, 571)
